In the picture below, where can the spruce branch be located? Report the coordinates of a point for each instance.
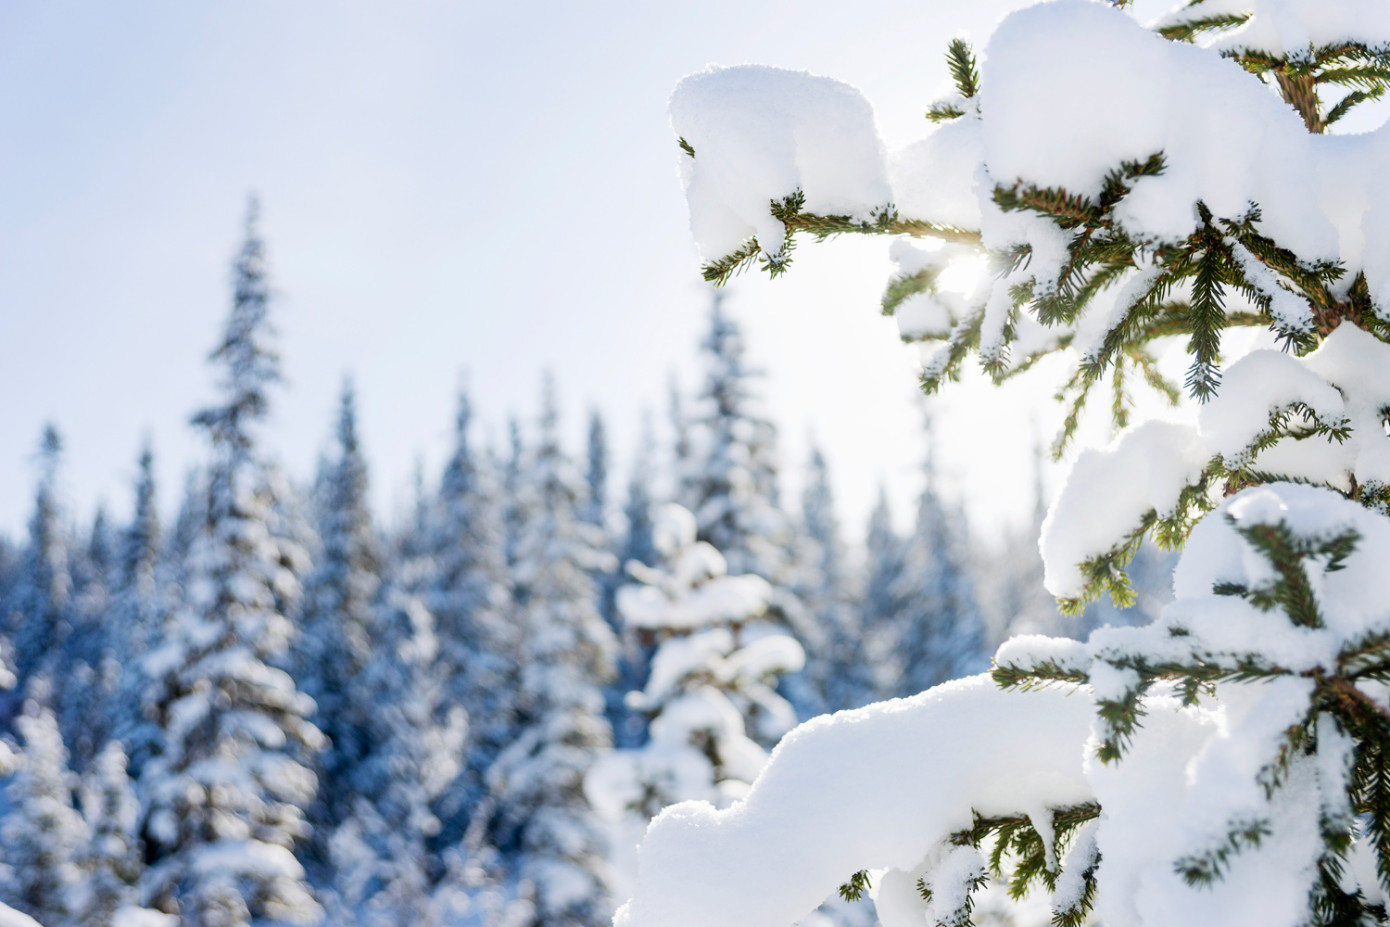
(1192, 29)
(856, 886)
(1204, 868)
(964, 73)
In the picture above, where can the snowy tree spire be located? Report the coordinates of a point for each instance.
(227, 791)
(736, 484)
(40, 603)
(596, 475)
(637, 509)
(841, 672)
(470, 607)
(141, 541)
(940, 632)
(248, 358)
(340, 598)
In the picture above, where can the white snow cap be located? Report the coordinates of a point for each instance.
(878, 787)
(760, 134)
(1108, 493)
(673, 529)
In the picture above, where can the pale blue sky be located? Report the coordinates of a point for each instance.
(445, 187)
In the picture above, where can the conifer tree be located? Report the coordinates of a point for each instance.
(638, 546)
(843, 674)
(516, 507)
(380, 852)
(734, 493)
(735, 479)
(471, 607)
(188, 523)
(45, 836)
(638, 543)
(39, 610)
(538, 809)
(940, 632)
(1225, 763)
(886, 557)
(137, 614)
(112, 860)
(715, 663)
(83, 657)
(683, 464)
(225, 796)
(98, 562)
(339, 603)
(596, 475)
(139, 558)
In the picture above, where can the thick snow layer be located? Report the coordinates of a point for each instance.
(875, 788)
(934, 179)
(760, 134)
(1108, 493)
(1352, 598)
(9, 917)
(1151, 819)
(1345, 382)
(1231, 143)
(1253, 388)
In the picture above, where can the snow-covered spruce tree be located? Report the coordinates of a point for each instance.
(885, 554)
(38, 613)
(539, 816)
(734, 482)
(113, 860)
(135, 609)
(224, 798)
(596, 472)
(1133, 189)
(137, 615)
(711, 678)
(340, 597)
(469, 599)
(516, 498)
(844, 675)
(381, 851)
(82, 656)
(638, 544)
(939, 633)
(44, 835)
(733, 489)
(684, 467)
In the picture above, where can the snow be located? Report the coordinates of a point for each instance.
(1255, 387)
(1231, 143)
(903, 775)
(1148, 823)
(761, 134)
(1108, 492)
(9, 917)
(131, 916)
(934, 179)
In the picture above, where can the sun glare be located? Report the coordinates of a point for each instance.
(965, 275)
